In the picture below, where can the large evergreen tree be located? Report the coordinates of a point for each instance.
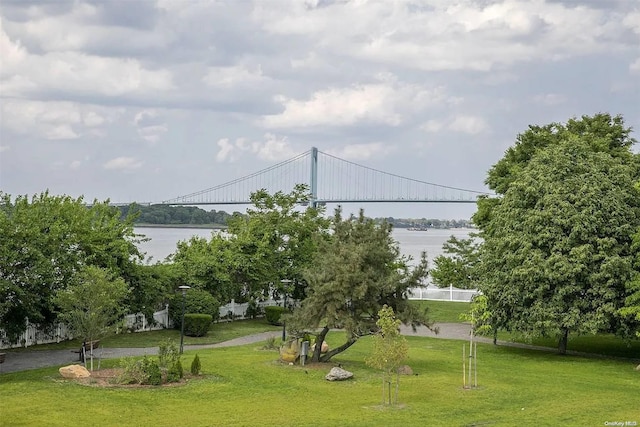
(557, 249)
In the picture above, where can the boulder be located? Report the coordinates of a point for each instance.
(338, 374)
(323, 349)
(74, 371)
(405, 370)
(638, 368)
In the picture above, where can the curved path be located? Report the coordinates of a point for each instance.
(23, 360)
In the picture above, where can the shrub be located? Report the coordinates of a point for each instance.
(253, 309)
(273, 313)
(168, 353)
(196, 301)
(196, 325)
(195, 366)
(175, 373)
(143, 371)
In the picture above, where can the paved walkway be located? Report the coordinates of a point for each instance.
(23, 360)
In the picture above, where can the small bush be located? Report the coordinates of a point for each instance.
(195, 366)
(143, 371)
(273, 313)
(168, 353)
(196, 301)
(253, 310)
(175, 373)
(270, 344)
(197, 325)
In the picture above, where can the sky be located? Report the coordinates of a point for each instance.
(145, 100)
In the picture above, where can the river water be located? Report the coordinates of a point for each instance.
(163, 240)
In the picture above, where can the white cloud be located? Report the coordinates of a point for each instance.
(123, 163)
(550, 99)
(462, 123)
(634, 67)
(357, 152)
(55, 119)
(233, 76)
(272, 148)
(388, 102)
(468, 124)
(432, 35)
(150, 125)
(4, 148)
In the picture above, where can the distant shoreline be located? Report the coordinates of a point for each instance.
(200, 226)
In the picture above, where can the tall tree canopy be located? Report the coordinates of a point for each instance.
(273, 242)
(557, 249)
(45, 241)
(354, 274)
(459, 266)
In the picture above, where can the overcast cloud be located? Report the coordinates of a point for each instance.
(147, 100)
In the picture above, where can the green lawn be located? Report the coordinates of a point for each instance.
(443, 311)
(246, 386)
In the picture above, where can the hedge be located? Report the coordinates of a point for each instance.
(197, 325)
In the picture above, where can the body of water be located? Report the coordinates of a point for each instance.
(163, 241)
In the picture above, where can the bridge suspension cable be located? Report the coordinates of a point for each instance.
(331, 180)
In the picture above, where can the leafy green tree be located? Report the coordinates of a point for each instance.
(390, 349)
(273, 242)
(557, 243)
(354, 274)
(631, 309)
(45, 241)
(459, 268)
(91, 303)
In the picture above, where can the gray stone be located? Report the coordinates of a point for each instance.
(405, 370)
(638, 368)
(338, 374)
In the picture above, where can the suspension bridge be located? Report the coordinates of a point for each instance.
(330, 180)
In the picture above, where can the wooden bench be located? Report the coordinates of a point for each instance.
(85, 349)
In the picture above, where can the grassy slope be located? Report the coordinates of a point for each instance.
(246, 386)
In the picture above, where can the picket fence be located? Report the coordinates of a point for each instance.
(161, 320)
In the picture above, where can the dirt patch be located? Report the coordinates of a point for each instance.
(109, 378)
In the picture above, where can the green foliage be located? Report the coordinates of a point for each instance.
(253, 310)
(175, 372)
(196, 366)
(355, 272)
(141, 371)
(196, 301)
(459, 267)
(273, 313)
(92, 302)
(197, 325)
(557, 248)
(390, 349)
(168, 353)
(272, 242)
(479, 316)
(45, 241)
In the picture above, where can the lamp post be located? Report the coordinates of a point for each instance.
(285, 289)
(184, 289)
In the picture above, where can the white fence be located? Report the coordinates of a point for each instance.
(434, 293)
(138, 322)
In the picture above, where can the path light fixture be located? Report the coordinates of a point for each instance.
(285, 289)
(184, 289)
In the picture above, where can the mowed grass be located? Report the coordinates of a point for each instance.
(443, 311)
(247, 386)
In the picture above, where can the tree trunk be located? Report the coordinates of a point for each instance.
(319, 340)
(337, 350)
(562, 344)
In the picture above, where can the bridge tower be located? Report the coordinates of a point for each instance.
(314, 177)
